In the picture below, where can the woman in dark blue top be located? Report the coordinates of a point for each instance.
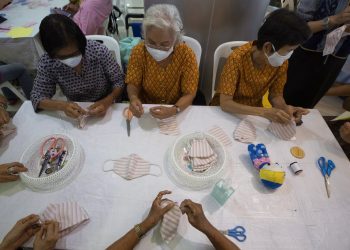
(310, 74)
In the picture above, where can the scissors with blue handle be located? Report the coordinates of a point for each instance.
(238, 233)
(326, 168)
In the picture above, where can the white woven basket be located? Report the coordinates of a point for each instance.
(183, 175)
(31, 159)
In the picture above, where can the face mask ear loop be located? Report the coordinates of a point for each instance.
(103, 166)
(160, 169)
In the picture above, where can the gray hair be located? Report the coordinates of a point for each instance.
(164, 16)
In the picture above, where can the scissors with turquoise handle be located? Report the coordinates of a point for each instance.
(326, 167)
(238, 233)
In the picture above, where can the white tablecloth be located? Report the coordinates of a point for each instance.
(26, 50)
(296, 216)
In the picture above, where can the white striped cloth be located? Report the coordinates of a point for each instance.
(131, 167)
(220, 135)
(201, 155)
(200, 148)
(69, 215)
(170, 222)
(82, 120)
(168, 126)
(245, 132)
(7, 129)
(283, 131)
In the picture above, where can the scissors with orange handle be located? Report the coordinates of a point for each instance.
(128, 116)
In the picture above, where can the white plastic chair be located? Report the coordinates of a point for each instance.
(14, 90)
(195, 46)
(110, 43)
(223, 51)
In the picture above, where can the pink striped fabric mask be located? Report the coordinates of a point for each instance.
(69, 215)
(168, 126)
(201, 155)
(170, 222)
(245, 132)
(132, 166)
(220, 134)
(283, 131)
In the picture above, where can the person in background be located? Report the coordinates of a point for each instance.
(194, 214)
(46, 234)
(341, 87)
(90, 15)
(15, 71)
(345, 132)
(4, 3)
(260, 66)
(310, 74)
(4, 116)
(85, 70)
(162, 69)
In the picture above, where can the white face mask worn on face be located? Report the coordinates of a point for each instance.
(159, 55)
(131, 167)
(72, 61)
(276, 60)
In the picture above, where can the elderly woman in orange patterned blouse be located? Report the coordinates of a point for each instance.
(162, 69)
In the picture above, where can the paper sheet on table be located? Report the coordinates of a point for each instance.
(342, 117)
(333, 39)
(18, 32)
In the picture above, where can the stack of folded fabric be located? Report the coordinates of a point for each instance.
(201, 155)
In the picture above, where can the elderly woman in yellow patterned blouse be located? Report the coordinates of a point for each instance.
(162, 69)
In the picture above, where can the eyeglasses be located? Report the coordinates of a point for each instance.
(164, 48)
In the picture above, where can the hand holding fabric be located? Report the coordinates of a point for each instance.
(21, 232)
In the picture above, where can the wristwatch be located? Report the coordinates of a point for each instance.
(178, 110)
(325, 22)
(138, 231)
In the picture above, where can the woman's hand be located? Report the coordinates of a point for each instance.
(195, 214)
(345, 132)
(157, 211)
(100, 108)
(4, 116)
(21, 232)
(297, 113)
(47, 237)
(73, 110)
(9, 171)
(341, 18)
(277, 115)
(136, 106)
(162, 112)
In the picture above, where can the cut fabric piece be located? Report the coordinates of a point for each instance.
(220, 135)
(245, 132)
(283, 131)
(168, 126)
(7, 129)
(201, 148)
(69, 215)
(170, 222)
(133, 166)
(82, 120)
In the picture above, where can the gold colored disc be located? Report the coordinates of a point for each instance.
(297, 152)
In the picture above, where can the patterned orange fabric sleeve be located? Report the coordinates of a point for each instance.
(135, 66)
(229, 76)
(277, 86)
(190, 76)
